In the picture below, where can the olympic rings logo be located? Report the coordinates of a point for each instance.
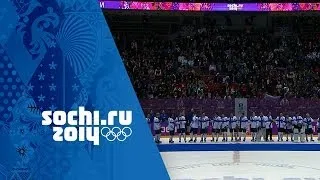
(116, 133)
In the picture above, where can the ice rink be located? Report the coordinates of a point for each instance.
(243, 165)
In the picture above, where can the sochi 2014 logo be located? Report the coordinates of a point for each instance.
(84, 125)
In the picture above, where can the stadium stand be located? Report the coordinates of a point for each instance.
(196, 56)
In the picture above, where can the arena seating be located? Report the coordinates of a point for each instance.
(210, 62)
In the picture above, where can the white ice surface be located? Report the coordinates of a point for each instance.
(217, 165)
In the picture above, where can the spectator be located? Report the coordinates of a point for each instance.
(208, 62)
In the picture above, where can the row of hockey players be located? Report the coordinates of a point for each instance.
(296, 127)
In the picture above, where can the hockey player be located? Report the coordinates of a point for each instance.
(281, 122)
(224, 127)
(233, 121)
(171, 127)
(243, 127)
(308, 128)
(182, 127)
(298, 128)
(216, 127)
(204, 123)
(269, 125)
(157, 128)
(163, 116)
(194, 128)
(254, 126)
(295, 127)
(288, 128)
(262, 129)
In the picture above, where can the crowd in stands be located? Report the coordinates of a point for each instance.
(210, 62)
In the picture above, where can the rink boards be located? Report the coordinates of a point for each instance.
(165, 146)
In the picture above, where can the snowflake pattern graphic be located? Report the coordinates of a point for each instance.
(21, 103)
(11, 87)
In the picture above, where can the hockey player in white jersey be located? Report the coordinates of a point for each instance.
(182, 127)
(157, 128)
(243, 127)
(281, 122)
(298, 128)
(171, 127)
(194, 128)
(204, 123)
(295, 127)
(309, 131)
(224, 127)
(269, 125)
(216, 127)
(262, 128)
(289, 128)
(254, 126)
(234, 124)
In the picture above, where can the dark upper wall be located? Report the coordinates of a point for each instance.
(166, 23)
